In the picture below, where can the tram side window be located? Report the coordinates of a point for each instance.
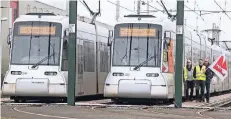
(203, 54)
(80, 59)
(89, 56)
(229, 67)
(196, 53)
(168, 52)
(208, 54)
(103, 57)
(65, 56)
(188, 52)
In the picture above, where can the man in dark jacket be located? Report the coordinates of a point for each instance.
(209, 75)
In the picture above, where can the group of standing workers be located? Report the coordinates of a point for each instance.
(198, 77)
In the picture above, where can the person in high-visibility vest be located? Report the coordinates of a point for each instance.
(189, 80)
(200, 77)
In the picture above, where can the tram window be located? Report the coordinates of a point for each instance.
(89, 56)
(80, 59)
(103, 58)
(65, 56)
(28, 8)
(168, 52)
(188, 52)
(35, 10)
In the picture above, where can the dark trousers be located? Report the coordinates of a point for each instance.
(189, 86)
(207, 85)
(200, 87)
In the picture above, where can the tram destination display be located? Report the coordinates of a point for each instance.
(138, 32)
(37, 30)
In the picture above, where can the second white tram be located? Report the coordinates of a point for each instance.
(39, 63)
(143, 54)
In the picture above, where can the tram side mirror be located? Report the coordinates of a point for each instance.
(110, 37)
(66, 32)
(65, 39)
(65, 45)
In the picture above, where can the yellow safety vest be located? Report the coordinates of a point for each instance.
(200, 74)
(186, 73)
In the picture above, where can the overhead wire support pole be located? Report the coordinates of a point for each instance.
(72, 52)
(179, 53)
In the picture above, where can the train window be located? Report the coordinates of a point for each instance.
(195, 53)
(65, 56)
(80, 59)
(28, 8)
(103, 57)
(89, 56)
(188, 52)
(35, 9)
(208, 53)
(168, 52)
(203, 54)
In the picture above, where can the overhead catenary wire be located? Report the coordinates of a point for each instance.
(222, 9)
(121, 6)
(153, 7)
(195, 12)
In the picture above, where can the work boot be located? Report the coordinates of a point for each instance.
(207, 100)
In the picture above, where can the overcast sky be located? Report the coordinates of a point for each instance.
(108, 12)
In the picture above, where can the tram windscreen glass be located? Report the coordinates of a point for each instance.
(34, 40)
(137, 42)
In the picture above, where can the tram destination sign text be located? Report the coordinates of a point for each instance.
(37, 30)
(138, 32)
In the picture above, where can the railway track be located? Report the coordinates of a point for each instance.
(219, 105)
(144, 111)
(199, 112)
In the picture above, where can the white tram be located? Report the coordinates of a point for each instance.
(38, 58)
(143, 54)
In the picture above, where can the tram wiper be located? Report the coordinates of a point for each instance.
(44, 59)
(141, 64)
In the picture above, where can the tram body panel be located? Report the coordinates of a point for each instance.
(34, 82)
(133, 84)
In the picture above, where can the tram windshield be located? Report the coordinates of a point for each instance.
(137, 43)
(33, 41)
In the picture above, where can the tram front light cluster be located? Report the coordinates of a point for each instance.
(50, 73)
(16, 72)
(152, 74)
(117, 74)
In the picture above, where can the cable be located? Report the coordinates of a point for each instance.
(121, 6)
(222, 9)
(195, 12)
(210, 11)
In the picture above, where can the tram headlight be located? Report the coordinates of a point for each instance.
(152, 74)
(50, 73)
(16, 72)
(117, 74)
